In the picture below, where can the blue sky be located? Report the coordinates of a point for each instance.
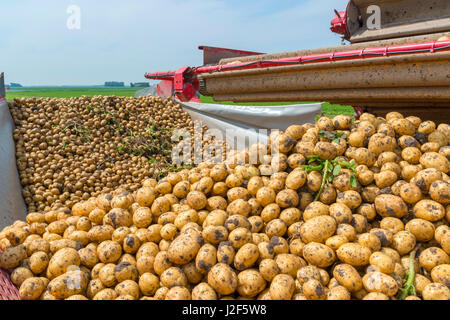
(121, 40)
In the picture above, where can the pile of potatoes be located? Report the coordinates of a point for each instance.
(240, 231)
(69, 150)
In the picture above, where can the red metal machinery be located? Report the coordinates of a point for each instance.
(400, 65)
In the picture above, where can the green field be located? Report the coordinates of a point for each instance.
(67, 92)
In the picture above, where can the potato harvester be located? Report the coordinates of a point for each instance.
(402, 64)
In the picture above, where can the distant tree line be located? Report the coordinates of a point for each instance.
(114, 84)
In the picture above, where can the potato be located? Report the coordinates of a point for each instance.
(237, 221)
(319, 254)
(184, 248)
(335, 242)
(31, 288)
(314, 181)
(435, 160)
(347, 276)
(215, 234)
(318, 229)
(380, 283)
(404, 242)
(282, 287)
(346, 230)
(128, 287)
(61, 261)
(380, 143)
(223, 279)
(440, 192)
(354, 254)
(19, 275)
(126, 271)
(314, 290)
(106, 275)
(429, 210)
(240, 207)
(388, 205)
(239, 237)
(246, 256)
(422, 230)
(68, 284)
(385, 236)
(296, 179)
(276, 227)
(203, 291)
(106, 294)
(206, 258)
(173, 276)
(432, 257)
(250, 283)
(94, 286)
(376, 296)
(441, 274)
(338, 293)
(436, 291)
(316, 209)
(109, 251)
(289, 263)
(192, 274)
(101, 233)
(268, 269)
(12, 257)
(178, 293)
(384, 262)
(39, 262)
(118, 217)
(351, 199)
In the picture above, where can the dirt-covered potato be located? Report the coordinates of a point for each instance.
(318, 229)
(432, 257)
(19, 275)
(282, 287)
(429, 210)
(38, 262)
(246, 256)
(440, 192)
(32, 288)
(12, 257)
(380, 283)
(61, 261)
(250, 283)
(203, 291)
(354, 254)
(348, 277)
(436, 291)
(184, 248)
(388, 205)
(223, 279)
(206, 258)
(318, 254)
(68, 284)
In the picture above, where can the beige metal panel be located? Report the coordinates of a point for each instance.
(356, 46)
(399, 18)
(423, 27)
(431, 69)
(408, 94)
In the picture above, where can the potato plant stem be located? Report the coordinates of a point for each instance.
(324, 180)
(409, 289)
